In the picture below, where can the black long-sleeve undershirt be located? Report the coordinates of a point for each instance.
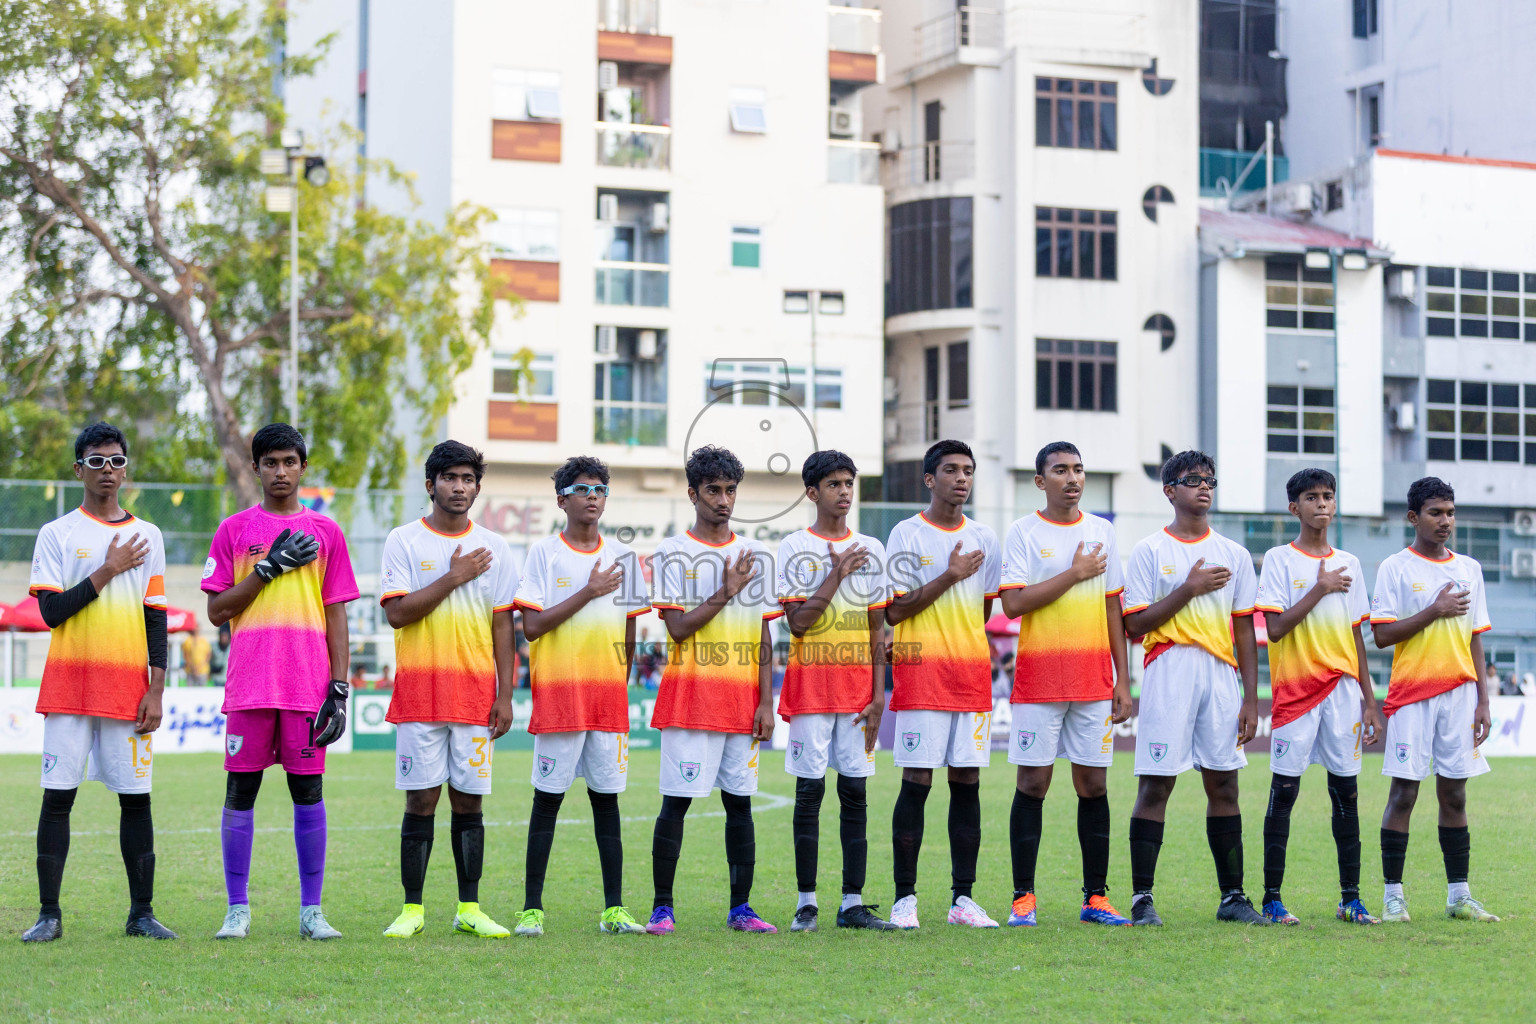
(57, 609)
(155, 637)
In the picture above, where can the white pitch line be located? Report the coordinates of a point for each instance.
(761, 802)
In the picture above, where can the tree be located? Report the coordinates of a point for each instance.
(151, 282)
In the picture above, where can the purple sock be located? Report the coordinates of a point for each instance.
(309, 838)
(237, 832)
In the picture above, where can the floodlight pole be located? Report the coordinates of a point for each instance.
(293, 294)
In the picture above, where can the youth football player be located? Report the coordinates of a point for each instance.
(280, 575)
(1430, 608)
(831, 583)
(579, 598)
(98, 574)
(446, 587)
(1189, 593)
(1062, 579)
(715, 593)
(1314, 601)
(944, 569)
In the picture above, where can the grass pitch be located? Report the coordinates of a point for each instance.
(1194, 969)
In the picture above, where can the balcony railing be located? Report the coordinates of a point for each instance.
(929, 161)
(853, 163)
(638, 16)
(634, 145)
(954, 31)
(632, 284)
(629, 423)
(1226, 165)
(853, 29)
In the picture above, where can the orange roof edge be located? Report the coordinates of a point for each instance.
(1446, 158)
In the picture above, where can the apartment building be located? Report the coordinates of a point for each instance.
(685, 207)
(1040, 172)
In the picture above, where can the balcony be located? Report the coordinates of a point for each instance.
(632, 284)
(853, 29)
(928, 162)
(637, 17)
(853, 163)
(966, 35)
(1218, 165)
(645, 146)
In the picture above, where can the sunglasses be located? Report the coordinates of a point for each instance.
(1195, 480)
(103, 461)
(585, 490)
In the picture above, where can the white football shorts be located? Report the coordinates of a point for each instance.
(77, 748)
(428, 754)
(602, 758)
(695, 761)
(1082, 731)
(1190, 700)
(1434, 737)
(936, 739)
(1329, 734)
(836, 739)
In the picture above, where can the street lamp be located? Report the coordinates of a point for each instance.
(290, 162)
(813, 302)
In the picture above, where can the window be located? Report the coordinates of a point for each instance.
(1479, 421)
(930, 255)
(1300, 419)
(749, 111)
(1075, 243)
(1370, 117)
(746, 247)
(1152, 197)
(525, 235)
(508, 380)
(1479, 304)
(1366, 19)
(1297, 298)
(631, 392)
(931, 393)
(1078, 375)
(1152, 83)
(1162, 323)
(959, 353)
(1072, 114)
(1335, 200)
(763, 384)
(525, 95)
(932, 147)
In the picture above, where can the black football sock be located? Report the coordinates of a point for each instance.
(907, 834)
(1456, 848)
(806, 828)
(853, 830)
(52, 847)
(415, 851)
(740, 845)
(541, 837)
(1024, 840)
(1394, 851)
(1283, 790)
(607, 830)
(964, 835)
(136, 839)
(1225, 834)
(1146, 841)
(1093, 839)
(467, 833)
(1344, 794)
(666, 846)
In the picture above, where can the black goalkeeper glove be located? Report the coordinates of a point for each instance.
(288, 551)
(331, 722)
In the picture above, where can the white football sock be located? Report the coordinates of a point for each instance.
(1457, 891)
(1393, 889)
(852, 899)
(807, 899)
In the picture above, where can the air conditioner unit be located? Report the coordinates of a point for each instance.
(607, 75)
(890, 391)
(843, 123)
(608, 207)
(659, 214)
(1297, 198)
(1402, 284)
(608, 341)
(646, 346)
(1525, 522)
(1522, 563)
(890, 141)
(1404, 417)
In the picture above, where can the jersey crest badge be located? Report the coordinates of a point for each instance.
(405, 765)
(1281, 746)
(689, 770)
(1402, 753)
(49, 760)
(232, 744)
(910, 740)
(1157, 750)
(546, 765)
(1026, 739)
(796, 747)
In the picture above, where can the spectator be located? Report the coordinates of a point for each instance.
(356, 680)
(218, 658)
(386, 678)
(196, 653)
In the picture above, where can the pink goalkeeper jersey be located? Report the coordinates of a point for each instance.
(277, 653)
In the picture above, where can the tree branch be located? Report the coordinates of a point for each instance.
(271, 329)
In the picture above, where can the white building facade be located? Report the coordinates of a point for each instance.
(1040, 173)
(689, 219)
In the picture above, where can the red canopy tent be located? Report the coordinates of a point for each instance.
(26, 617)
